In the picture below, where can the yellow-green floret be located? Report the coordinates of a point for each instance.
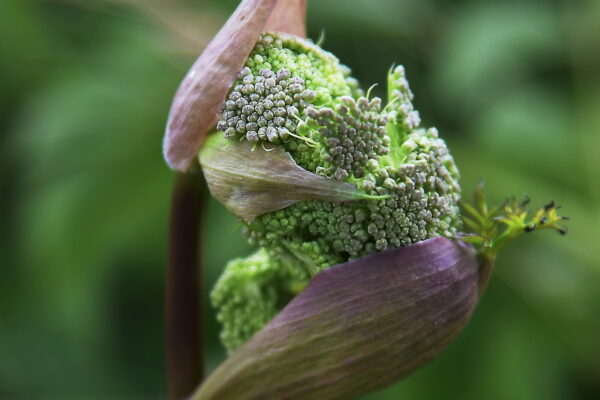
(252, 290)
(293, 94)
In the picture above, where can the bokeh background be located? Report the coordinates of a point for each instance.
(85, 87)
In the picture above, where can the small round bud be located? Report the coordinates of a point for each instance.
(272, 135)
(270, 83)
(252, 136)
(283, 73)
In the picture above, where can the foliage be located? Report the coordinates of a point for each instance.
(492, 228)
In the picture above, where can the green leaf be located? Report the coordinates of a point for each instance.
(496, 231)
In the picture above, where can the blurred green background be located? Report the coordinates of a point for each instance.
(85, 88)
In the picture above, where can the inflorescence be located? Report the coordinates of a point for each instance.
(293, 94)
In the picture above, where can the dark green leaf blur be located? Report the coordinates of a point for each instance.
(85, 88)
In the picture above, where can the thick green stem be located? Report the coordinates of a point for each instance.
(184, 355)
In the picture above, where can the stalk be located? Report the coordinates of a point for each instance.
(183, 310)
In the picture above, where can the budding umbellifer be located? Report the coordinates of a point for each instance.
(324, 174)
(293, 97)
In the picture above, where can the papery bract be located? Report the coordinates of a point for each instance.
(357, 327)
(198, 100)
(250, 181)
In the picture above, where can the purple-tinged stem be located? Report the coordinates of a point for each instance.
(184, 355)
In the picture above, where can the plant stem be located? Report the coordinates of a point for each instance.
(184, 355)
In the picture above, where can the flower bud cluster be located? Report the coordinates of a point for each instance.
(295, 95)
(250, 292)
(422, 202)
(407, 117)
(264, 107)
(353, 135)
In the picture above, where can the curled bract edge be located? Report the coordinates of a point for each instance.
(198, 100)
(357, 327)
